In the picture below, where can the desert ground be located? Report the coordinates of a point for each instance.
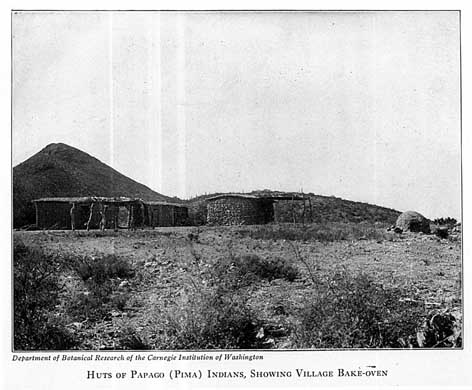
(182, 278)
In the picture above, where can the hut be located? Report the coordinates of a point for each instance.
(413, 222)
(239, 209)
(87, 212)
(165, 214)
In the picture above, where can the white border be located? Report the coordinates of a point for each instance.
(407, 369)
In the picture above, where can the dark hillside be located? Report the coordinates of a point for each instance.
(61, 170)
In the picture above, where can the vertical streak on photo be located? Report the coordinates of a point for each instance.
(181, 124)
(111, 88)
(156, 148)
(376, 140)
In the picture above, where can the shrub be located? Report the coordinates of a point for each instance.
(88, 306)
(355, 312)
(246, 269)
(448, 221)
(128, 338)
(36, 294)
(215, 312)
(208, 319)
(99, 276)
(103, 268)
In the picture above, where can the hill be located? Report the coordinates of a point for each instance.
(316, 208)
(61, 170)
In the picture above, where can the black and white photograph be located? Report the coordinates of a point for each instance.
(236, 180)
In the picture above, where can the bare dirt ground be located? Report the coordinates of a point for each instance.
(165, 262)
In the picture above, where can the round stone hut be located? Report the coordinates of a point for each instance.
(239, 209)
(413, 222)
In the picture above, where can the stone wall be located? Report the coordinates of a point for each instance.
(239, 211)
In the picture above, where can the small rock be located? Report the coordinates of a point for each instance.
(260, 333)
(269, 342)
(77, 325)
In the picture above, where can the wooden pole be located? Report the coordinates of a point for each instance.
(142, 215)
(304, 208)
(128, 207)
(72, 216)
(311, 209)
(293, 212)
(36, 213)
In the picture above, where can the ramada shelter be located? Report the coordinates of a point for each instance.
(120, 212)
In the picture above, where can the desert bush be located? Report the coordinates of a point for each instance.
(213, 312)
(208, 319)
(88, 306)
(447, 221)
(128, 338)
(96, 303)
(36, 295)
(241, 271)
(330, 231)
(101, 276)
(103, 268)
(355, 312)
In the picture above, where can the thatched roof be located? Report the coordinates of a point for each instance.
(89, 199)
(152, 203)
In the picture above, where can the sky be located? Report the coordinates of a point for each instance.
(359, 105)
